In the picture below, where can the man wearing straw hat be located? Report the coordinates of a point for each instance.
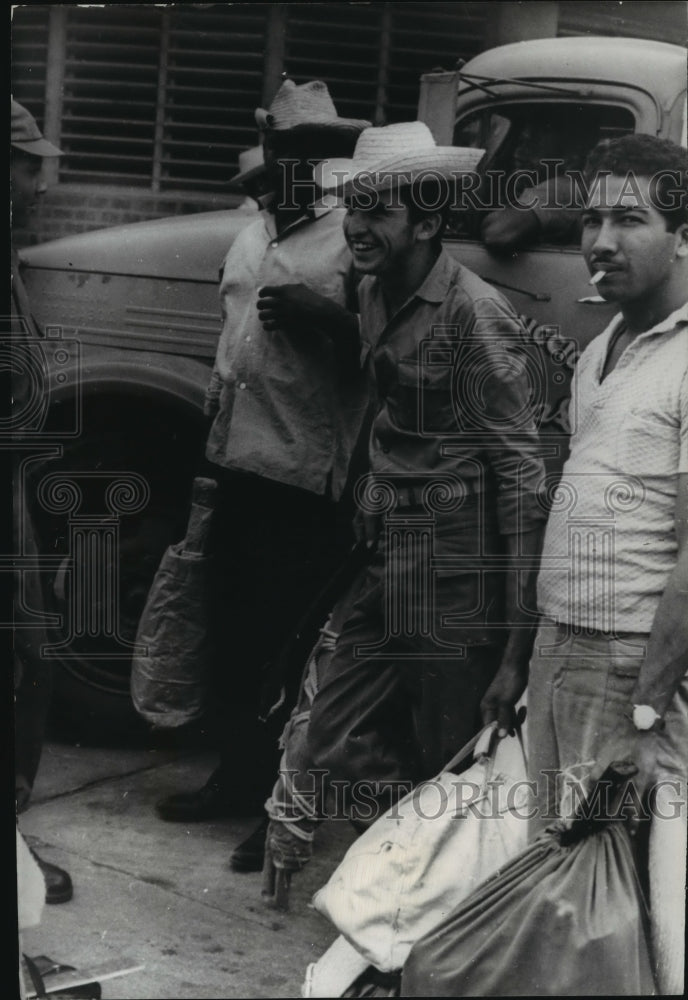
(286, 409)
(251, 178)
(453, 450)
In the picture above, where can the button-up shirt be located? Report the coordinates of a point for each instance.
(282, 410)
(454, 397)
(610, 542)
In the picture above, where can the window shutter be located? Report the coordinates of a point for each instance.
(213, 85)
(424, 37)
(110, 93)
(340, 44)
(29, 58)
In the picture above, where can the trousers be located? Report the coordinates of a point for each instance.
(401, 691)
(579, 698)
(275, 546)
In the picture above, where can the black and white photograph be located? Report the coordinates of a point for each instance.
(347, 578)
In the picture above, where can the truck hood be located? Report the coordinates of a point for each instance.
(189, 247)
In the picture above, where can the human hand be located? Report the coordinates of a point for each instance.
(366, 527)
(635, 746)
(292, 307)
(500, 698)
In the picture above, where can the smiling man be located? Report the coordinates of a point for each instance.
(608, 676)
(455, 458)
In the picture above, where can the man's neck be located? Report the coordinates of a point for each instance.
(285, 217)
(401, 285)
(643, 314)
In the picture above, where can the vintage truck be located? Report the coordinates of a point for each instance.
(130, 319)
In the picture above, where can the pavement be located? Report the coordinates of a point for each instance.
(162, 894)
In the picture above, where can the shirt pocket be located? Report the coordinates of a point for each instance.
(423, 401)
(646, 445)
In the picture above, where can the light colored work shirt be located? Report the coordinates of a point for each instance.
(282, 409)
(610, 543)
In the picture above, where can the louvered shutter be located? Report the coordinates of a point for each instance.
(30, 26)
(214, 75)
(424, 37)
(112, 65)
(340, 44)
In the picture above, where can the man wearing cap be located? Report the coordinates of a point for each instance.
(33, 675)
(455, 465)
(286, 407)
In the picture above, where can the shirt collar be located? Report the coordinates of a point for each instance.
(321, 207)
(677, 318)
(436, 284)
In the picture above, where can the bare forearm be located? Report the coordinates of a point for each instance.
(666, 661)
(521, 601)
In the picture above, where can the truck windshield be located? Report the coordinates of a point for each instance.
(521, 140)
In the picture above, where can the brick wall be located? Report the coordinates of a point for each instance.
(75, 208)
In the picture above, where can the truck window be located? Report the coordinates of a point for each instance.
(518, 138)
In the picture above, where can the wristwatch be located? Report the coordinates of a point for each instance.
(645, 717)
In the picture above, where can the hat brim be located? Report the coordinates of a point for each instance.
(339, 174)
(356, 125)
(248, 175)
(37, 147)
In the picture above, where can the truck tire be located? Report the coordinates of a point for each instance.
(157, 444)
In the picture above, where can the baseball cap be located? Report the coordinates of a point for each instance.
(26, 134)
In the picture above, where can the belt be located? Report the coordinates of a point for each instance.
(414, 496)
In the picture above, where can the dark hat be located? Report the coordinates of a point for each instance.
(26, 134)
(305, 107)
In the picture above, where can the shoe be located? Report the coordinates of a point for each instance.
(58, 884)
(285, 853)
(215, 800)
(250, 854)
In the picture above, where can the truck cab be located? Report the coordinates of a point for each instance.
(129, 320)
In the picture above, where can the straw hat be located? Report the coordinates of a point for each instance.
(26, 134)
(305, 107)
(251, 164)
(403, 152)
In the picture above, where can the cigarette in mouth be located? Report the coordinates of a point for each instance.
(597, 276)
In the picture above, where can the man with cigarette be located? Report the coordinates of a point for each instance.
(607, 678)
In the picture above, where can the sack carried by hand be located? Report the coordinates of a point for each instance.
(416, 863)
(169, 674)
(565, 917)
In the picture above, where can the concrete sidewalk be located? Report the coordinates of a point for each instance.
(162, 894)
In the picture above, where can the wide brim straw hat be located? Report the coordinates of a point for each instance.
(305, 107)
(251, 164)
(401, 153)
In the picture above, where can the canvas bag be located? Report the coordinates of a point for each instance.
(175, 650)
(416, 863)
(558, 920)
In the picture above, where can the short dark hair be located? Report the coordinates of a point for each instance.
(428, 195)
(647, 156)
